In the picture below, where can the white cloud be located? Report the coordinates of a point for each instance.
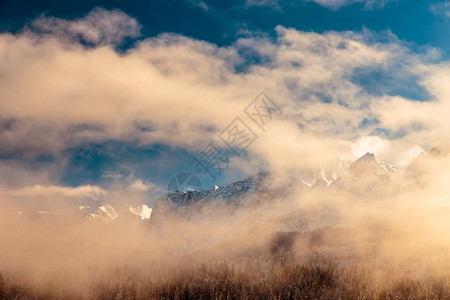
(85, 191)
(372, 144)
(199, 4)
(139, 186)
(415, 151)
(441, 9)
(182, 92)
(270, 3)
(99, 27)
(336, 4)
(332, 4)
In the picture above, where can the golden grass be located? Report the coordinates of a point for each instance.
(276, 276)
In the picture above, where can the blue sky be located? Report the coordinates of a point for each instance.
(420, 22)
(357, 75)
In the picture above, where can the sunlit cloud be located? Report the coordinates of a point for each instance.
(180, 91)
(332, 4)
(183, 92)
(92, 192)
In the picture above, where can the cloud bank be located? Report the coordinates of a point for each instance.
(59, 92)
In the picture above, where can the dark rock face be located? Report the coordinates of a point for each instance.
(184, 204)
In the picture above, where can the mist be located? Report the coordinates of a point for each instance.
(398, 222)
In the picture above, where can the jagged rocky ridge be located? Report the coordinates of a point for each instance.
(365, 177)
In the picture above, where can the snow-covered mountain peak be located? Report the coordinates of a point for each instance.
(142, 211)
(367, 157)
(105, 213)
(370, 162)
